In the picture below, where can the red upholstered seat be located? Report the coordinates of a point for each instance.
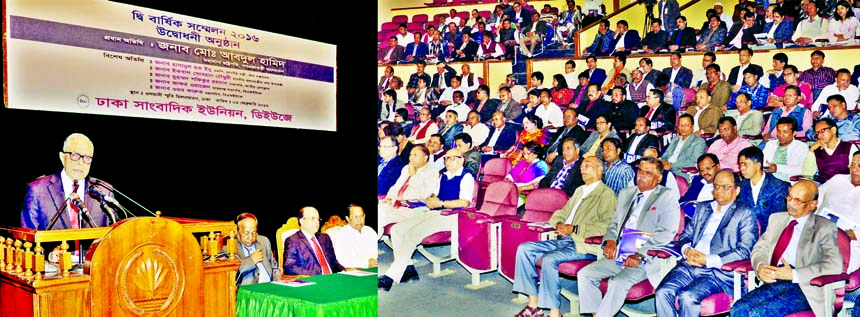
(540, 205)
(716, 304)
(400, 19)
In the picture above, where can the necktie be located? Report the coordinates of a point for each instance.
(261, 269)
(782, 243)
(75, 210)
(650, 112)
(629, 213)
(398, 200)
(552, 147)
(678, 41)
(321, 257)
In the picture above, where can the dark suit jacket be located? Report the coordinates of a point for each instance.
(248, 272)
(688, 38)
(300, 257)
(783, 31)
(655, 40)
(577, 133)
(487, 111)
(506, 139)
(631, 41)
(389, 175)
(395, 54)
(649, 140)
(450, 72)
(420, 53)
(733, 75)
(665, 114)
(736, 235)
(469, 51)
(746, 38)
(696, 186)
(771, 198)
(598, 77)
(404, 156)
(683, 78)
(45, 197)
(599, 108)
(571, 182)
(623, 116)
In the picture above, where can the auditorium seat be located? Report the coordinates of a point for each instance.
(399, 19)
(494, 170)
(420, 18)
(281, 234)
(540, 205)
(413, 27)
(388, 26)
(486, 14)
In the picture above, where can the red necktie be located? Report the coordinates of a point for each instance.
(398, 200)
(782, 243)
(75, 210)
(321, 257)
(650, 112)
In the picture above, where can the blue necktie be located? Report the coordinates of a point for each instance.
(679, 37)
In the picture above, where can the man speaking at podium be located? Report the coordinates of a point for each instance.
(68, 191)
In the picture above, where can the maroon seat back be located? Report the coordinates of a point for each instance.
(400, 18)
(496, 169)
(682, 184)
(419, 18)
(414, 26)
(388, 26)
(500, 199)
(542, 203)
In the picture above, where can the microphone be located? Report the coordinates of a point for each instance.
(103, 199)
(85, 214)
(110, 199)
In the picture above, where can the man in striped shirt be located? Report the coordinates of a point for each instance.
(818, 76)
(618, 173)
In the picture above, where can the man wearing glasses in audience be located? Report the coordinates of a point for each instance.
(67, 192)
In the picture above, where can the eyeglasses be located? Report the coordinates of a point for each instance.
(725, 187)
(821, 131)
(75, 156)
(796, 200)
(452, 157)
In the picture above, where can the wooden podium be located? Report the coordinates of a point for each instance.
(143, 266)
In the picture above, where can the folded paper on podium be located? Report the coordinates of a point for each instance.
(142, 266)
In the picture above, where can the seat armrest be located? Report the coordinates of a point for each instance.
(453, 211)
(540, 229)
(594, 240)
(827, 279)
(853, 281)
(665, 252)
(691, 169)
(741, 266)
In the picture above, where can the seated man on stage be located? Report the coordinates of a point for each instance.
(67, 192)
(308, 252)
(722, 231)
(586, 214)
(255, 251)
(355, 244)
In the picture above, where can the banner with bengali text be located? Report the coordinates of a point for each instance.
(108, 58)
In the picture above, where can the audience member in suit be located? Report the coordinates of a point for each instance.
(451, 128)
(308, 252)
(648, 207)
(707, 24)
(656, 39)
(722, 231)
(786, 269)
(736, 76)
(532, 33)
(502, 135)
(471, 155)
(702, 185)
(662, 115)
(389, 166)
(570, 130)
(520, 17)
(681, 37)
(742, 33)
(668, 11)
(442, 77)
(767, 196)
(595, 75)
(679, 75)
(585, 214)
(507, 37)
(509, 107)
(453, 189)
(602, 40)
(390, 54)
(565, 173)
(708, 114)
(593, 145)
(466, 50)
(416, 50)
(255, 252)
(385, 80)
(623, 112)
(594, 106)
(484, 105)
(712, 36)
(390, 104)
(579, 93)
(748, 121)
(684, 148)
(624, 39)
(640, 140)
(779, 30)
(721, 90)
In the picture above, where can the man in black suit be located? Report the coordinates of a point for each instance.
(640, 140)
(570, 130)
(594, 106)
(623, 111)
(683, 36)
(442, 78)
(736, 76)
(467, 50)
(735, 39)
(502, 136)
(309, 252)
(565, 173)
(662, 115)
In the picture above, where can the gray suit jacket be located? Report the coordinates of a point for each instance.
(693, 148)
(660, 215)
(248, 272)
(592, 216)
(817, 253)
(734, 239)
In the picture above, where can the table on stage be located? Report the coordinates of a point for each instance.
(332, 295)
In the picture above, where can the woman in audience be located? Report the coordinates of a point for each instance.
(843, 25)
(603, 127)
(532, 132)
(528, 172)
(560, 93)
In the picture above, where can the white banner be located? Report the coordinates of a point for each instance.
(101, 57)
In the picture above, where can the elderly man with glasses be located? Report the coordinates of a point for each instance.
(71, 195)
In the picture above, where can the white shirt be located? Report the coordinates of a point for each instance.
(790, 254)
(813, 29)
(795, 155)
(620, 43)
(635, 143)
(840, 196)
(711, 227)
(572, 79)
(674, 73)
(354, 248)
(551, 115)
(707, 192)
(461, 109)
(756, 188)
(455, 20)
(850, 94)
(479, 132)
(736, 42)
(448, 94)
(740, 80)
(727, 18)
(405, 39)
(696, 117)
(633, 220)
(67, 190)
(586, 190)
(495, 137)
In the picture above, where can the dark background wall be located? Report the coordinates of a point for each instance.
(216, 171)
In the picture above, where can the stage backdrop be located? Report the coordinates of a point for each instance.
(212, 170)
(133, 61)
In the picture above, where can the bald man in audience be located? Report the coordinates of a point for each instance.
(308, 251)
(255, 251)
(355, 244)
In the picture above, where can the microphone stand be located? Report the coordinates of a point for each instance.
(57, 215)
(113, 189)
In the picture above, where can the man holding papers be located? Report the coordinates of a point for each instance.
(648, 207)
(586, 214)
(722, 231)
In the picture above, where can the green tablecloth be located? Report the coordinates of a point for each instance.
(332, 295)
